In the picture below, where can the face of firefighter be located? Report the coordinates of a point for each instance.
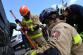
(51, 22)
(27, 16)
(65, 13)
(52, 18)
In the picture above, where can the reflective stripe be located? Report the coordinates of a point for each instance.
(77, 39)
(28, 21)
(31, 28)
(34, 52)
(37, 36)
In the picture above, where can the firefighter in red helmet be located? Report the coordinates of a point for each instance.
(31, 23)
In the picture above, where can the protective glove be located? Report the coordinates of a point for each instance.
(36, 27)
(17, 21)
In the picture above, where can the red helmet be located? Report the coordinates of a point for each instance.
(24, 10)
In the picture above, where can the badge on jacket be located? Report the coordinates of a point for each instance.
(56, 35)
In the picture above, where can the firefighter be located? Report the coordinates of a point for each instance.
(63, 40)
(31, 24)
(74, 16)
(63, 36)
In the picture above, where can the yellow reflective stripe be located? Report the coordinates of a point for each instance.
(37, 36)
(28, 21)
(34, 52)
(31, 28)
(77, 39)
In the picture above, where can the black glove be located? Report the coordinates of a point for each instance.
(36, 27)
(17, 21)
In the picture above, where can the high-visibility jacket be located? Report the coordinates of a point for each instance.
(33, 33)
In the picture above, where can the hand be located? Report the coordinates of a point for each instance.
(17, 21)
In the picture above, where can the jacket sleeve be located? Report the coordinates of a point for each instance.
(76, 37)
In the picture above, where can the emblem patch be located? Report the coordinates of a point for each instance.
(56, 34)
